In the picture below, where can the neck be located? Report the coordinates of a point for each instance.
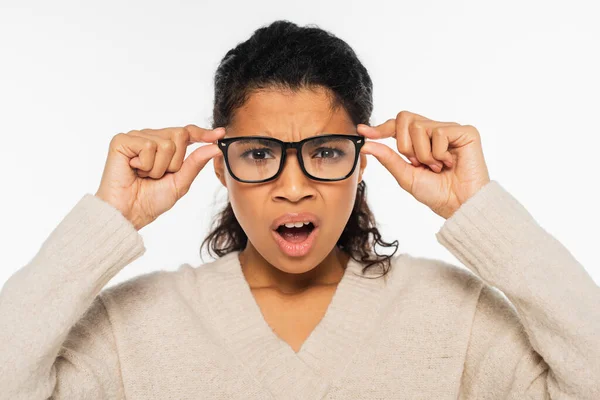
(261, 274)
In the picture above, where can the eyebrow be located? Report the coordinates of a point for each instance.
(269, 136)
(317, 141)
(264, 142)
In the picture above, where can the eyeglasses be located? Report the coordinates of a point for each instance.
(257, 159)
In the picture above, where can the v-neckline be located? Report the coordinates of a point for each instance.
(330, 346)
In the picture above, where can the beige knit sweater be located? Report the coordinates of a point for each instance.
(431, 330)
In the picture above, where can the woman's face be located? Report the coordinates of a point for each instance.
(290, 116)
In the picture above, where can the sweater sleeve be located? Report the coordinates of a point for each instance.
(56, 339)
(545, 342)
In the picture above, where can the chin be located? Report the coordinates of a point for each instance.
(293, 265)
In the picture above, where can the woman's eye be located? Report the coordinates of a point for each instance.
(257, 154)
(327, 153)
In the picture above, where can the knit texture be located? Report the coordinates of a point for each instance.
(520, 319)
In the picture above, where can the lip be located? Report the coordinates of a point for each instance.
(296, 249)
(295, 217)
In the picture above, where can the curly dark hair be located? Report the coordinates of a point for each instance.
(286, 56)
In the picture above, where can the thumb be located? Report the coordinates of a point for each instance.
(192, 166)
(393, 162)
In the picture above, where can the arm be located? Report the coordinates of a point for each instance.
(546, 344)
(56, 337)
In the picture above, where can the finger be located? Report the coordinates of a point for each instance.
(414, 161)
(390, 127)
(422, 145)
(198, 134)
(165, 149)
(397, 128)
(182, 136)
(140, 151)
(192, 166)
(195, 133)
(404, 142)
(165, 133)
(436, 132)
(456, 136)
(164, 155)
(181, 140)
(381, 131)
(393, 162)
(439, 146)
(461, 135)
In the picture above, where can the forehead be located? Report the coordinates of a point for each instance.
(289, 115)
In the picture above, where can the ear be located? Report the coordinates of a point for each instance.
(363, 164)
(219, 167)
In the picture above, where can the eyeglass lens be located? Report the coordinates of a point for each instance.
(256, 159)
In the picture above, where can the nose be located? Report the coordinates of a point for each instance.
(292, 185)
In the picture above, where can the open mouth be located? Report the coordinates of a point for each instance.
(295, 233)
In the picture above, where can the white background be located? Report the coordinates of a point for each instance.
(72, 75)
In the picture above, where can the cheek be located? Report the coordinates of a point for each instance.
(248, 204)
(240, 200)
(339, 202)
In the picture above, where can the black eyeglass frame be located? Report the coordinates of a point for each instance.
(358, 141)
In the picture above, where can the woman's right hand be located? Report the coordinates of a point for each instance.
(146, 174)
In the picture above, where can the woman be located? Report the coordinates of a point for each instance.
(299, 304)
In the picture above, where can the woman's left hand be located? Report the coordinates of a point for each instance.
(447, 159)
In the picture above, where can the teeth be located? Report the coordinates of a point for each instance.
(296, 224)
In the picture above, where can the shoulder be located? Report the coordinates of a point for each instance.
(444, 281)
(441, 294)
(161, 285)
(433, 274)
(151, 288)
